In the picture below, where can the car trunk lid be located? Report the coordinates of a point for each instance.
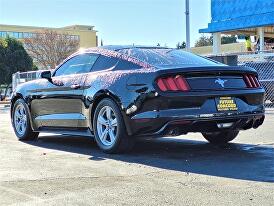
(207, 78)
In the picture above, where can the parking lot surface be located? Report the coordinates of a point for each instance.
(186, 170)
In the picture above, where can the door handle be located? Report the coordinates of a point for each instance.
(75, 86)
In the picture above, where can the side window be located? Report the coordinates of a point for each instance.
(104, 62)
(126, 65)
(77, 65)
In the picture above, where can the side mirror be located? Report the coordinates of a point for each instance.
(46, 75)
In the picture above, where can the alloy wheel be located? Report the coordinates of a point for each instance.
(20, 119)
(107, 126)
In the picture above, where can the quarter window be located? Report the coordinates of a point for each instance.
(77, 65)
(104, 62)
(126, 65)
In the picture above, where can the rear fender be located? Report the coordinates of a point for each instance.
(94, 101)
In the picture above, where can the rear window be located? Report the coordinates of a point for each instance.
(164, 57)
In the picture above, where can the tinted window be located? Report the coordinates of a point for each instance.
(125, 65)
(77, 65)
(104, 62)
(166, 57)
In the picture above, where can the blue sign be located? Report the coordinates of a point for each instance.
(238, 14)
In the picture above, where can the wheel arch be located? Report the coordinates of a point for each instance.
(14, 99)
(102, 94)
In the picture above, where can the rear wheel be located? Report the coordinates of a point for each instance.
(220, 137)
(21, 121)
(109, 128)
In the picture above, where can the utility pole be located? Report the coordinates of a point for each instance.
(187, 26)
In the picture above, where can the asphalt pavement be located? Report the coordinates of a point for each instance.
(186, 170)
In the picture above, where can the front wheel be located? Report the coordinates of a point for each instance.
(21, 121)
(109, 128)
(220, 137)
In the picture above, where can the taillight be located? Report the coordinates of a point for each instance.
(251, 81)
(172, 83)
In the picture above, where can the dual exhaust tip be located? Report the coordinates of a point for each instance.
(258, 122)
(254, 123)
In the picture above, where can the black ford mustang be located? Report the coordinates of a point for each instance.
(117, 93)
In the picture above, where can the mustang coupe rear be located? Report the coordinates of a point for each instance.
(118, 93)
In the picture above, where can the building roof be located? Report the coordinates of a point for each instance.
(70, 27)
(120, 47)
(79, 27)
(229, 15)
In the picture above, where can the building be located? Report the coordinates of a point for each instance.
(232, 48)
(86, 34)
(241, 17)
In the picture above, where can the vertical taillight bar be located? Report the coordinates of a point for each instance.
(251, 81)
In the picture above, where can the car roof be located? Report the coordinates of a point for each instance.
(120, 47)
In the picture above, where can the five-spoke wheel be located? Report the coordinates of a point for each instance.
(21, 121)
(109, 128)
(107, 125)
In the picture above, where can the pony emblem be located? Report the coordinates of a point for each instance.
(221, 82)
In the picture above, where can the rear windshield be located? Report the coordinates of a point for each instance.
(165, 57)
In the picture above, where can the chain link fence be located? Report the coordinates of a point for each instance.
(264, 65)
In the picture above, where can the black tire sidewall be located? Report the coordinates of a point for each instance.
(221, 137)
(120, 125)
(28, 131)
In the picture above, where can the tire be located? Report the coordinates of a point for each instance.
(21, 121)
(220, 137)
(109, 128)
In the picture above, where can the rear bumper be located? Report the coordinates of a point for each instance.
(183, 126)
(198, 119)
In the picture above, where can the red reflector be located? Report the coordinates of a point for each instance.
(177, 83)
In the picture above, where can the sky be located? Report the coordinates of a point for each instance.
(139, 22)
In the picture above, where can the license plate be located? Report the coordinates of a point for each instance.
(226, 104)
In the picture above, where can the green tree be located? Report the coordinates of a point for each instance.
(228, 39)
(204, 41)
(13, 58)
(208, 40)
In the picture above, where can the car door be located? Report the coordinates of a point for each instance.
(59, 103)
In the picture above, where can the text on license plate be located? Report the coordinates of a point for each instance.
(226, 104)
